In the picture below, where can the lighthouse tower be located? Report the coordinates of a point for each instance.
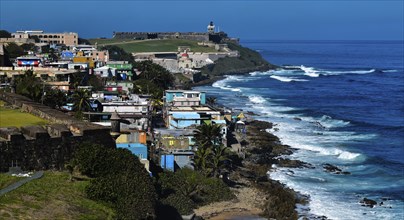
(211, 28)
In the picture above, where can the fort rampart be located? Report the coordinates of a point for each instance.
(48, 147)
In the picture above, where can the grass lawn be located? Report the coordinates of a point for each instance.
(52, 197)
(138, 46)
(13, 117)
(6, 180)
(108, 41)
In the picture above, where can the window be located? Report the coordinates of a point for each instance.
(171, 142)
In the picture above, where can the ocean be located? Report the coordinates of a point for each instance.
(336, 102)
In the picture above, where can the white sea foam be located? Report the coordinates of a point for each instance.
(223, 84)
(256, 99)
(310, 71)
(389, 71)
(269, 72)
(328, 122)
(349, 72)
(313, 72)
(287, 79)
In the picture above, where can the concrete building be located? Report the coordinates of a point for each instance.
(68, 38)
(187, 117)
(172, 139)
(29, 61)
(184, 98)
(123, 68)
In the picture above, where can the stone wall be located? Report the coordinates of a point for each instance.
(49, 147)
(196, 36)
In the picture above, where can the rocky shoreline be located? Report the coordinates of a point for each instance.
(257, 194)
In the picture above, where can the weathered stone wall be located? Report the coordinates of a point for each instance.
(49, 147)
(196, 36)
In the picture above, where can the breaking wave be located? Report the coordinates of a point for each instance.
(287, 79)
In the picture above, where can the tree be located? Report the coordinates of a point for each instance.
(28, 47)
(201, 160)
(119, 179)
(81, 100)
(55, 98)
(211, 100)
(30, 86)
(219, 156)
(117, 53)
(208, 135)
(84, 41)
(5, 34)
(155, 74)
(14, 50)
(211, 155)
(187, 189)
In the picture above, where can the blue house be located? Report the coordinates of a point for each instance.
(184, 119)
(138, 149)
(177, 159)
(184, 98)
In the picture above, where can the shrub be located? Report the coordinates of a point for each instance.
(119, 179)
(187, 189)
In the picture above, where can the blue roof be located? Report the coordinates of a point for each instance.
(137, 149)
(186, 115)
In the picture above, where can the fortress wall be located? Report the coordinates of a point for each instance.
(49, 147)
(196, 36)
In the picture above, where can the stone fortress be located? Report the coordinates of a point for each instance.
(39, 148)
(210, 35)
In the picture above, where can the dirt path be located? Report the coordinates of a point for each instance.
(248, 204)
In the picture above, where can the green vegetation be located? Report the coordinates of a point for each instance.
(52, 197)
(120, 180)
(108, 41)
(14, 50)
(117, 53)
(139, 46)
(248, 61)
(153, 80)
(212, 156)
(5, 34)
(12, 117)
(30, 86)
(187, 189)
(6, 180)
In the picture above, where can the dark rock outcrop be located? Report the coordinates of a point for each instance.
(334, 169)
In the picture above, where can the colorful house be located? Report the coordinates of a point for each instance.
(184, 98)
(138, 149)
(124, 68)
(184, 117)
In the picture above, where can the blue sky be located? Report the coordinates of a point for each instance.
(269, 20)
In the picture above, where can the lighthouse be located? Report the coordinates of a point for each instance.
(211, 28)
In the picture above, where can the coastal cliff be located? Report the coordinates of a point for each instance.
(248, 61)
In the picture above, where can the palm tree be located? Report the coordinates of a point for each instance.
(211, 100)
(218, 158)
(208, 135)
(81, 100)
(201, 160)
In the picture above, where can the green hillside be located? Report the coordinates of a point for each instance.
(51, 197)
(138, 46)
